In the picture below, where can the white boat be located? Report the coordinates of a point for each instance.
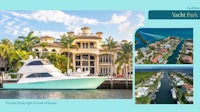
(173, 92)
(41, 74)
(159, 84)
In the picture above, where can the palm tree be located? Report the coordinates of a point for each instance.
(18, 44)
(5, 49)
(27, 41)
(66, 42)
(109, 46)
(125, 56)
(58, 60)
(14, 59)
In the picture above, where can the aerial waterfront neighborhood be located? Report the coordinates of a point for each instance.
(160, 51)
(163, 87)
(165, 50)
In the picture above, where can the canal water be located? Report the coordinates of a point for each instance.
(164, 95)
(173, 58)
(67, 94)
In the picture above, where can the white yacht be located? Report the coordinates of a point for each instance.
(41, 74)
(159, 84)
(173, 92)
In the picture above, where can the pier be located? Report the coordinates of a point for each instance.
(116, 84)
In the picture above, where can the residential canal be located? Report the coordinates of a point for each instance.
(164, 95)
(173, 58)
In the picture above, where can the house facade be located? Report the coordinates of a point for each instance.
(90, 55)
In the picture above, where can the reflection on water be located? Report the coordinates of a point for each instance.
(67, 94)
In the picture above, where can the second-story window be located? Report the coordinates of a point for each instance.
(79, 45)
(91, 45)
(86, 45)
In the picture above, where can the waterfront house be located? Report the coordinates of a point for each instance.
(189, 99)
(136, 53)
(141, 91)
(144, 49)
(187, 59)
(167, 46)
(179, 83)
(157, 59)
(187, 88)
(162, 50)
(89, 55)
(148, 82)
(153, 45)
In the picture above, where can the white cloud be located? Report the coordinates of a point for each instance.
(17, 27)
(128, 28)
(15, 32)
(10, 23)
(4, 19)
(56, 16)
(20, 15)
(26, 30)
(124, 26)
(117, 19)
(141, 20)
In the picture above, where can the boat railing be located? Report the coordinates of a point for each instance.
(11, 77)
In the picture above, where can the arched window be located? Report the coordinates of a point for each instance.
(53, 50)
(36, 50)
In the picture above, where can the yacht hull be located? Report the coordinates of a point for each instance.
(77, 83)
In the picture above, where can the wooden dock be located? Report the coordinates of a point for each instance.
(117, 83)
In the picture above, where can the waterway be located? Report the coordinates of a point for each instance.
(164, 95)
(67, 94)
(173, 58)
(139, 44)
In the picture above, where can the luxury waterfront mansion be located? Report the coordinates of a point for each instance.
(90, 54)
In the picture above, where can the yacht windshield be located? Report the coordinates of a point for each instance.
(36, 75)
(42, 62)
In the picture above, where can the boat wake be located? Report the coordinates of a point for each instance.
(153, 35)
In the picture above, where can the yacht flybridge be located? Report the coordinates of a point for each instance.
(41, 74)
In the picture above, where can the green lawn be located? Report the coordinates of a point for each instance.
(143, 100)
(147, 61)
(142, 76)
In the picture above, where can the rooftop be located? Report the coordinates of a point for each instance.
(46, 37)
(188, 86)
(157, 58)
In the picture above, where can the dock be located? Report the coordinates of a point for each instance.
(116, 83)
(1, 80)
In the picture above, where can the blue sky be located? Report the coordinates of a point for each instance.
(118, 24)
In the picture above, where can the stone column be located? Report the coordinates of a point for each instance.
(97, 66)
(74, 61)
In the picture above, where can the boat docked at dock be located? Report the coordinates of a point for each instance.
(41, 74)
(173, 92)
(159, 85)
